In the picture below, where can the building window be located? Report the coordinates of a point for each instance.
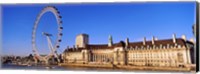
(179, 46)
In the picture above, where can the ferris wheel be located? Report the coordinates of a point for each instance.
(52, 47)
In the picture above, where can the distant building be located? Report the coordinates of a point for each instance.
(175, 52)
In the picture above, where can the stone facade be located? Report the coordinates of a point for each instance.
(82, 40)
(175, 52)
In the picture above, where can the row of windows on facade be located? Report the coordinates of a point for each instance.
(150, 54)
(141, 55)
(149, 57)
(152, 57)
(148, 61)
(155, 61)
(155, 47)
(149, 47)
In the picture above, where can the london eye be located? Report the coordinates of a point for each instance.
(53, 47)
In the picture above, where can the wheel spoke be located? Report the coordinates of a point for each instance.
(56, 13)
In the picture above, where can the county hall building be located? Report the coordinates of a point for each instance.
(173, 52)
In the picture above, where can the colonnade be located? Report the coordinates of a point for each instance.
(162, 57)
(101, 57)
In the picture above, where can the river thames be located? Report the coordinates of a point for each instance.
(59, 68)
(21, 67)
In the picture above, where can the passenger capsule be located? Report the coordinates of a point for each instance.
(60, 16)
(61, 34)
(61, 27)
(61, 22)
(59, 40)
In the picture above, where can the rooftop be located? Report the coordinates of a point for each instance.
(157, 43)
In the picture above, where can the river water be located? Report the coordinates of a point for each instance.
(19, 67)
(59, 68)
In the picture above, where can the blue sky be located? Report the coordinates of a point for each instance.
(121, 20)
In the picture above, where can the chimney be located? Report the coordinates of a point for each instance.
(156, 38)
(74, 47)
(153, 40)
(144, 41)
(174, 38)
(67, 47)
(183, 37)
(77, 46)
(127, 42)
(110, 41)
(192, 40)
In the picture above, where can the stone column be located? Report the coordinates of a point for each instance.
(122, 57)
(115, 57)
(101, 56)
(89, 56)
(93, 58)
(185, 56)
(96, 58)
(104, 59)
(188, 56)
(86, 56)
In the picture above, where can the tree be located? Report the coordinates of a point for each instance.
(30, 57)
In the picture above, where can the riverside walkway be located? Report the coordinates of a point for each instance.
(127, 67)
